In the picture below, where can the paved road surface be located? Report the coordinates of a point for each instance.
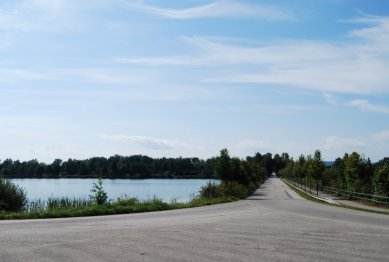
(274, 224)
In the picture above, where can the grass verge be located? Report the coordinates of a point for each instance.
(308, 197)
(120, 207)
(365, 210)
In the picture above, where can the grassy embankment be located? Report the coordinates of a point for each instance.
(121, 206)
(209, 194)
(308, 197)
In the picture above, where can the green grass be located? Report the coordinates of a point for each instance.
(58, 203)
(121, 206)
(308, 197)
(365, 210)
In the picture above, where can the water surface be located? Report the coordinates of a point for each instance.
(166, 189)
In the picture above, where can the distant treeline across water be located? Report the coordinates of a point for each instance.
(136, 166)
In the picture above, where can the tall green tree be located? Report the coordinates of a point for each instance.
(223, 166)
(309, 171)
(317, 168)
(381, 180)
(351, 170)
(300, 168)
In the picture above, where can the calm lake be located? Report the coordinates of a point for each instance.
(167, 189)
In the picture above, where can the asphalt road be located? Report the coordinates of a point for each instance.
(275, 224)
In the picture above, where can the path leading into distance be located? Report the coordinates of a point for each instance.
(275, 224)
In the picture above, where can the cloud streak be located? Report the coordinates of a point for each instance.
(10, 76)
(149, 142)
(329, 98)
(222, 8)
(378, 31)
(382, 137)
(332, 142)
(32, 15)
(365, 105)
(355, 67)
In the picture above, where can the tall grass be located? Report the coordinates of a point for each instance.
(66, 207)
(53, 203)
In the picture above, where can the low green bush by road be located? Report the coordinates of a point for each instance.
(12, 197)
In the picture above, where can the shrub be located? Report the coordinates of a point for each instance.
(225, 189)
(210, 190)
(12, 197)
(233, 189)
(100, 197)
(124, 200)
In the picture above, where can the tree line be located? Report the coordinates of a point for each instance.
(135, 166)
(353, 172)
(239, 178)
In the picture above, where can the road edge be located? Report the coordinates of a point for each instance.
(324, 199)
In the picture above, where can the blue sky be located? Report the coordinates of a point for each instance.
(187, 78)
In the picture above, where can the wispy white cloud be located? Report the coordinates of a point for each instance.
(251, 145)
(222, 8)
(329, 98)
(150, 142)
(382, 137)
(284, 109)
(247, 147)
(377, 32)
(14, 75)
(357, 66)
(30, 15)
(333, 142)
(365, 105)
(161, 61)
(96, 75)
(101, 75)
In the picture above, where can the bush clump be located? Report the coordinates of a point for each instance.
(126, 201)
(210, 190)
(225, 189)
(100, 197)
(234, 189)
(12, 197)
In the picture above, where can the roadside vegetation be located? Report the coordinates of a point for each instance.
(309, 197)
(301, 193)
(12, 197)
(352, 173)
(238, 179)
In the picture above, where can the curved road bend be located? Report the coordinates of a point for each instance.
(274, 224)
